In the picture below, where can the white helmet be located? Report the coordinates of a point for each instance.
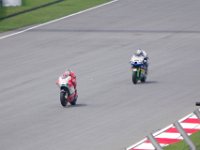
(139, 52)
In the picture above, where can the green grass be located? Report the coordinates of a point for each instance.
(42, 15)
(26, 4)
(183, 145)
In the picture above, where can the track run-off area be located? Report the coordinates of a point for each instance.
(97, 44)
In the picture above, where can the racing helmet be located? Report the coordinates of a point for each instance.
(138, 52)
(66, 73)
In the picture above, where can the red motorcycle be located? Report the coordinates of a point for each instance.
(67, 94)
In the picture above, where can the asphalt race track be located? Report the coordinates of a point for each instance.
(111, 113)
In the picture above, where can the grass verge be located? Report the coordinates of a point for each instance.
(183, 145)
(26, 4)
(42, 15)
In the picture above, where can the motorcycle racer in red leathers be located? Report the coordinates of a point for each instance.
(72, 80)
(67, 84)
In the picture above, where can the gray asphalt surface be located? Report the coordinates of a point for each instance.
(111, 113)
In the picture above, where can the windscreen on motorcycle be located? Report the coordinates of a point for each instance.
(137, 60)
(63, 81)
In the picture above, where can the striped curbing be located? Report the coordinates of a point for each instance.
(170, 135)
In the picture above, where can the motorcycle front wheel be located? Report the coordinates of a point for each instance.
(134, 77)
(63, 99)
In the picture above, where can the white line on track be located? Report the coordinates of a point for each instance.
(56, 20)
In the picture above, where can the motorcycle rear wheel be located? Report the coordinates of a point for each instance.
(73, 103)
(143, 79)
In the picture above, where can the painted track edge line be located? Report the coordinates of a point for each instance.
(59, 19)
(186, 117)
(136, 144)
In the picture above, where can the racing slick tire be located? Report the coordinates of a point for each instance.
(63, 99)
(134, 77)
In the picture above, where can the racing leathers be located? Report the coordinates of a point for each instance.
(142, 53)
(71, 81)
